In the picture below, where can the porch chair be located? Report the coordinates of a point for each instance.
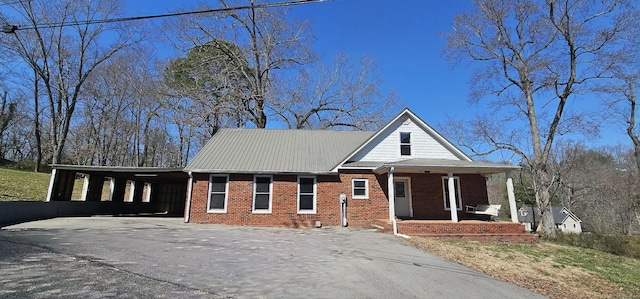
(483, 209)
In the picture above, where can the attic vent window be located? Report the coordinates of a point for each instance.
(405, 144)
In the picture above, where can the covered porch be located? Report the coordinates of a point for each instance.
(447, 198)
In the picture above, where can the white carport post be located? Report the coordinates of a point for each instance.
(112, 188)
(451, 186)
(54, 172)
(512, 199)
(85, 188)
(392, 195)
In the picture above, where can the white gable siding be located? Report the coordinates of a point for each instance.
(386, 146)
(570, 223)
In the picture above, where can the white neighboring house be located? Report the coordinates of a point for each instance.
(564, 220)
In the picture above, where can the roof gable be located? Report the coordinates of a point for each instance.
(275, 151)
(426, 143)
(560, 214)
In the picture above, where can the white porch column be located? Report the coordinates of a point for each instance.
(392, 194)
(451, 186)
(512, 199)
(51, 181)
(85, 187)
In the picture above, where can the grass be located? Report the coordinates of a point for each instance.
(18, 185)
(551, 269)
(619, 245)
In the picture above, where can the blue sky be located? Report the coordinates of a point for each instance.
(406, 38)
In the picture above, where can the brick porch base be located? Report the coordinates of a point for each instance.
(483, 231)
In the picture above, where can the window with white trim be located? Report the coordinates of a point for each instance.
(445, 189)
(306, 195)
(360, 188)
(262, 186)
(218, 191)
(405, 143)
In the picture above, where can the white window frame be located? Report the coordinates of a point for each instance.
(315, 195)
(445, 184)
(226, 194)
(366, 189)
(409, 144)
(255, 185)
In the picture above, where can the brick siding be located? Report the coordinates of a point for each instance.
(426, 189)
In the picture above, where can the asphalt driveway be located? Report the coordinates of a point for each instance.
(128, 257)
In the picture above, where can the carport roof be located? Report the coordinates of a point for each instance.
(148, 174)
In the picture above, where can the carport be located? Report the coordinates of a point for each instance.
(131, 189)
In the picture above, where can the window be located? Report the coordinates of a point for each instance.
(360, 188)
(307, 195)
(262, 194)
(445, 188)
(218, 185)
(399, 189)
(405, 144)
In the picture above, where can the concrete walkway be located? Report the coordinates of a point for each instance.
(102, 257)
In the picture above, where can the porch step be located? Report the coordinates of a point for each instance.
(520, 238)
(483, 231)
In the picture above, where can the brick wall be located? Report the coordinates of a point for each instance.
(427, 199)
(464, 228)
(284, 202)
(428, 195)
(361, 212)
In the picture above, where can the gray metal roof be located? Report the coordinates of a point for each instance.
(276, 151)
(445, 165)
(558, 215)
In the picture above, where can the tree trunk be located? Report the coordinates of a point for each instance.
(543, 199)
(36, 122)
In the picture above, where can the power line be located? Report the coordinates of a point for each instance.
(15, 2)
(12, 28)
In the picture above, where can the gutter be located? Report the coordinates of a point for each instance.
(275, 172)
(187, 208)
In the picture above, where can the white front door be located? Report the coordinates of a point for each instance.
(402, 188)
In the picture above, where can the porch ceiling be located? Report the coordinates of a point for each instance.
(444, 166)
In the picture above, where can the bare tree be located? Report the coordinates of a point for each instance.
(533, 58)
(7, 115)
(270, 43)
(598, 185)
(340, 95)
(64, 51)
(121, 121)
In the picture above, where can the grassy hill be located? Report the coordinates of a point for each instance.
(23, 185)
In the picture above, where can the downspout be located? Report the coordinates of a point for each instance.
(395, 230)
(187, 208)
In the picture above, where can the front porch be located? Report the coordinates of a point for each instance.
(470, 230)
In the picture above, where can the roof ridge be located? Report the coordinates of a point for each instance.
(296, 130)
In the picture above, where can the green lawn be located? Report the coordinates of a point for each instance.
(23, 185)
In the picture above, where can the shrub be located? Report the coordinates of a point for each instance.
(619, 245)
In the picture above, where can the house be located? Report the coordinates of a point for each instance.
(404, 171)
(564, 220)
